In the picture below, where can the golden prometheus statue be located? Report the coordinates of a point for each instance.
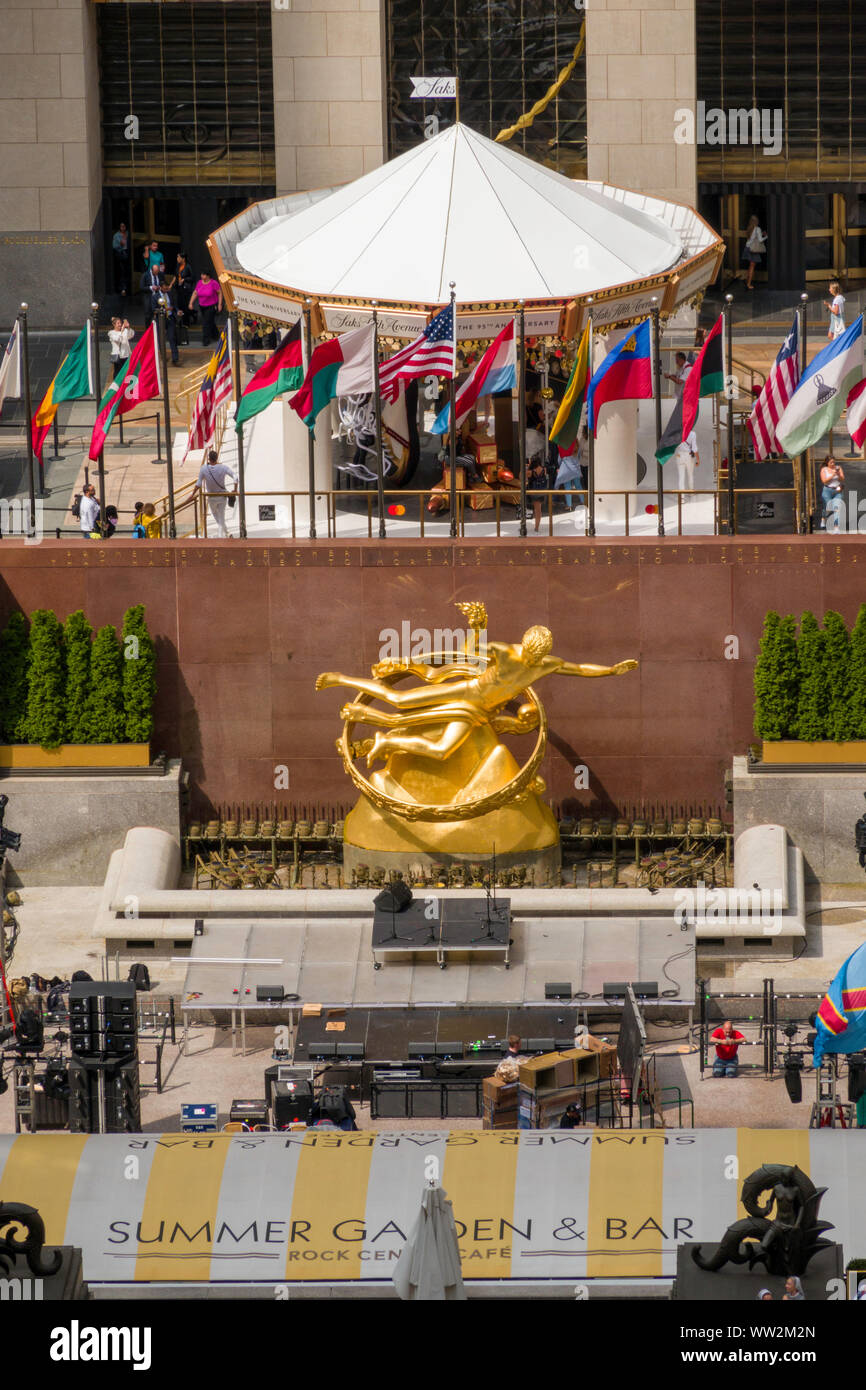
(449, 785)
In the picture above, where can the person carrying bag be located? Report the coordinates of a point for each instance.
(214, 479)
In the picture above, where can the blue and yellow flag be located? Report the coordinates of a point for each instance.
(567, 422)
(841, 1020)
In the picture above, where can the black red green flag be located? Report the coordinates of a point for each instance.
(282, 372)
(705, 379)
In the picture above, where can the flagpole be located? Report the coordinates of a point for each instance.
(452, 425)
(380, 477)
(25, 350)
(590, 480)
(729, 336)
(804, 457)
(657, 392)
(521, 416)
(311, 439)
(97, 392)
(161, 334)
(239, 433)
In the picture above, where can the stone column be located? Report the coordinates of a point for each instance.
(329, 125)
(615, 447)
(50, 161)
(641, 71)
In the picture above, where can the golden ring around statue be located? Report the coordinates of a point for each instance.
(468, 810)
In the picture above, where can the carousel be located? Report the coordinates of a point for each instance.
(510, 235)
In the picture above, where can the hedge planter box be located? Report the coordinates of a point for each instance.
(825, 751)
(20, 756)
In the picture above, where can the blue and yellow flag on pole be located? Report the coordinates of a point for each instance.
(567, 422)
(841, 1021)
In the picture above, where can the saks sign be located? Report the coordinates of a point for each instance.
(433, 88)
(340, 318)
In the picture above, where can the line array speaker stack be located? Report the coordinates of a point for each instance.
(105, 1097)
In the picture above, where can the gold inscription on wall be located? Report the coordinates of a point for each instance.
(37, 239)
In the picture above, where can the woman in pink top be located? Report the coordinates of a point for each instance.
(209, 296)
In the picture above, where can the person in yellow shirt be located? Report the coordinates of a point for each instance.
(151, 522)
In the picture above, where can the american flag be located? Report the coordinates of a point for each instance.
(434, 353)
(778, 390)
(215, 388)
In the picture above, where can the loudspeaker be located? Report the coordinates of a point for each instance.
(394, 898)
(81, 1096)
(449, 1049)
(856, 1076)
(614, 989)
(266, 992)
(540, 1045)
(291, 1100)
(347, 1049)
(123, 1100)
(325, 1048)
(646, 989)
(558, 990)
(794, 1078)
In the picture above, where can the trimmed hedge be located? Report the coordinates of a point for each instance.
(811, 686)
(139, 676)
(45, 719)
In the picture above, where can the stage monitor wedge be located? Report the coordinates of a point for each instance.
(558, 989)
(266, 993)
(646, 989)
(540, 1045)
(449, 1049)
(418, 1051)
(324, 1047)
(348, 1049)
(393, 898)
(614, 989)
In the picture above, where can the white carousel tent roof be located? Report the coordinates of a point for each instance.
(460, 207)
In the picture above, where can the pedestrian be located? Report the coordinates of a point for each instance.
(571, 474)
(679, 375)
(109, 525)
(572, 1117)
(753, 249)
(213, 477)
(536, 469)
(185, 285)
(209, 297)
(173, 318)
(120, 335)
(88, 511)
(151, 522)
(687, 459)
(152, 285)
(153, 257)
(837, 310)
(727, 1040)
(138, 529)
(120, 256)
(832, 487)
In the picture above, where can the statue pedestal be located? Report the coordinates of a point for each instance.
(737, 1284)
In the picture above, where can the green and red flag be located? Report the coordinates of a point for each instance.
(282, 372)
(74, 379)
(141, 381)
(706, 377)
(341, 367)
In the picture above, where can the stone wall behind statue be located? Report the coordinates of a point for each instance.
(243, 629)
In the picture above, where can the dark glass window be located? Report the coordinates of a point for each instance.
(506, 55)
(793, 56)
(198, 77)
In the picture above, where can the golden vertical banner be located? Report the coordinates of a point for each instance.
(40, 1171)
(330, 1186)
(626, 1206)
(479, 1180)
(180, 1209)
(755, 1147)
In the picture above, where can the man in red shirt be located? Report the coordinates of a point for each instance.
(727, 1041)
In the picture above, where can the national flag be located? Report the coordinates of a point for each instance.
(74, 379)
(775, 395)
(433, 354)
(823, 392)
(495, 370)
(282, 372)
(567, 422)
(140, 381)
(706, 377)
(856, 417)
(841, 1021)
(10, 368)
(340, 367)
(624, 375)
(215, 388)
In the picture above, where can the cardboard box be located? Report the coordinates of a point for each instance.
(499, 1092)
(555, 1069)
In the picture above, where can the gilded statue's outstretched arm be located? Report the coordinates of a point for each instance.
(574, 668)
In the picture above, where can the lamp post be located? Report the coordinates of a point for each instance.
(521, 417)
(380, 476)
(590, 438)
(729, 337)
(804, 457)
(172, 525)
(657, 392)
(28, 423)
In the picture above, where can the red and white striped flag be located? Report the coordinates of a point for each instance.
(433, 354)
(856, 417)
(215, 388)
(778, 389)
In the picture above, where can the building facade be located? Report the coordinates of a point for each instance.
(170, 116)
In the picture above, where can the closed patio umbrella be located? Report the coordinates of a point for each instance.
(429, 1266)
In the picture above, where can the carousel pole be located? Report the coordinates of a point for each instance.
(521, 416)
(233, 336)
(590, 480)
(28, 423)
(452, 424)
(311, 440)
(657, 392)
(380, 476)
